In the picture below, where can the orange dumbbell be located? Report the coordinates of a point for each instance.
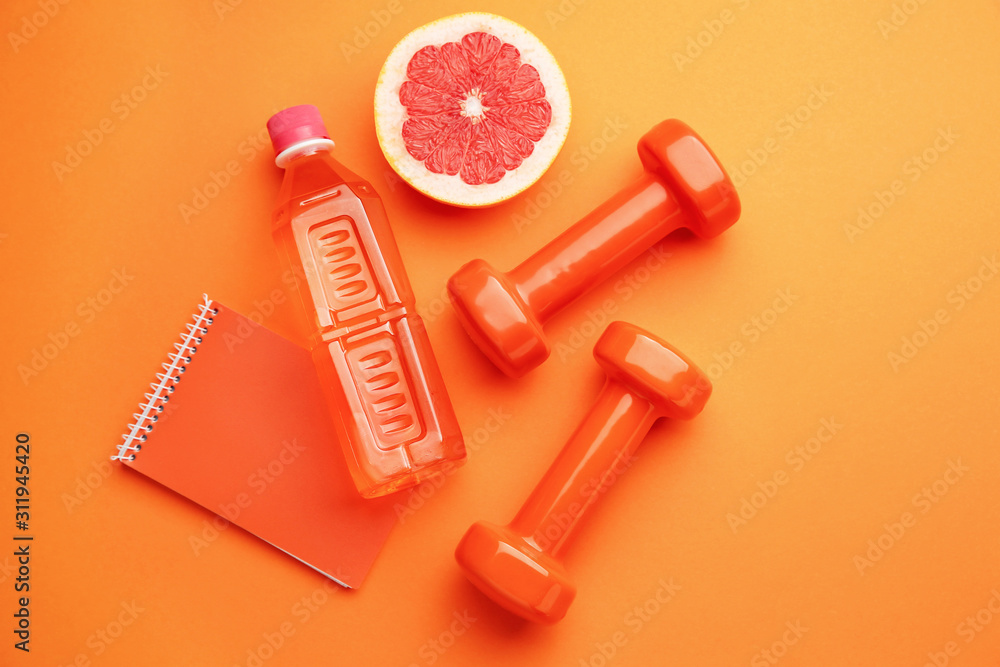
(683, 185)
(516, 565)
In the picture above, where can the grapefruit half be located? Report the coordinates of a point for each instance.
(471, 109)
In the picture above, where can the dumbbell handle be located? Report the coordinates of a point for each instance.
(597, 246)
(607, 437)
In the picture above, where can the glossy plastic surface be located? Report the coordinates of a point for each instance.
(683, 185)
(389, 403)
(295, 124)
(516, 565)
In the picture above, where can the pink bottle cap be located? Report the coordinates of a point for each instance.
(295, 124)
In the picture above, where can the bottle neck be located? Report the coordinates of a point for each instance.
(305, 147)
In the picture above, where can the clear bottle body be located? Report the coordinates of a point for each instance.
(386, 395)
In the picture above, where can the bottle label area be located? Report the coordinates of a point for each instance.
(366, 334)
(343, 282)
(383, 383)
(376, 371)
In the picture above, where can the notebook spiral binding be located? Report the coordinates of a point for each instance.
(166, 382)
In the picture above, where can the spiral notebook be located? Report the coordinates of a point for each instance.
(236, 423)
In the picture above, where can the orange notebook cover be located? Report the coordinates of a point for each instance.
(236, 422)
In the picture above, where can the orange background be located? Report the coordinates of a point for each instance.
(889, 92)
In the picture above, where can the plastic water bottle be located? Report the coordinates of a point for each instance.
(385, 392)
